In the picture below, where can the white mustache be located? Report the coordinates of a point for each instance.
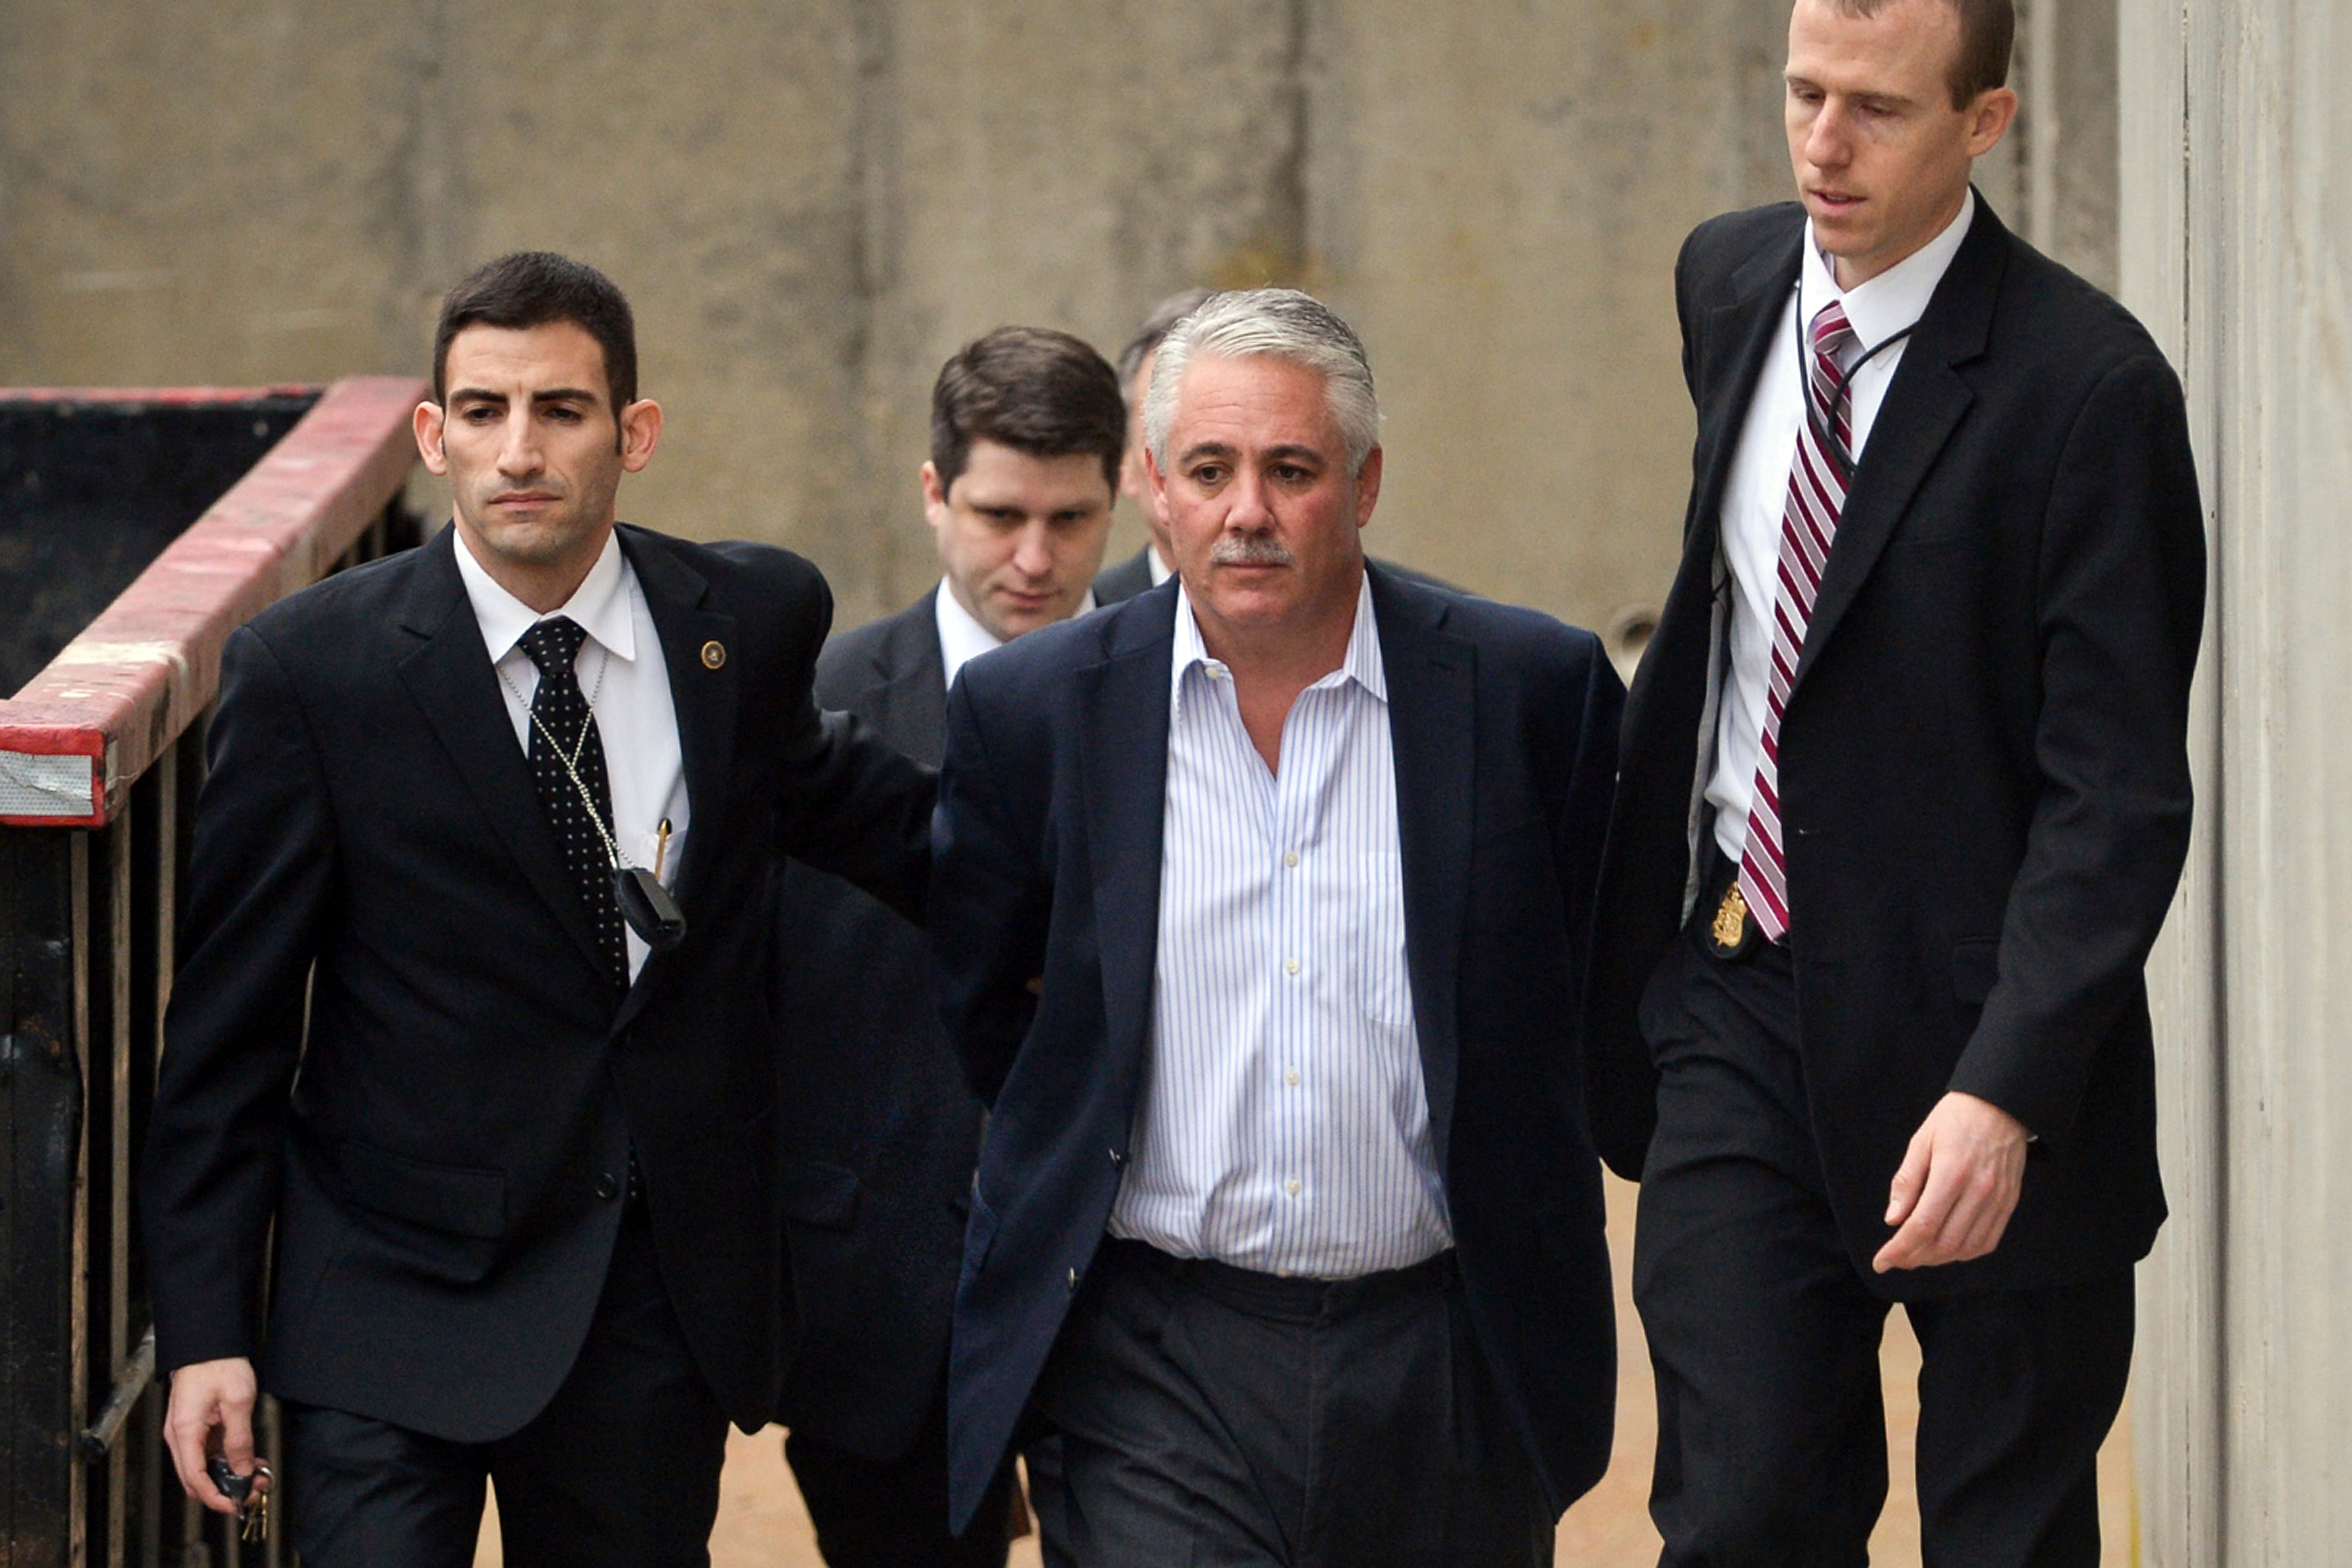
(1244, 549)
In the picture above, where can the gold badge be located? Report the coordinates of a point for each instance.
(1728, 935)
(714, 654)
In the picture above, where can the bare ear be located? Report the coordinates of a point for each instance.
(1368, 486)
(427, 422)
(1155, 487)
(1989, 118)
(935, 495)
(641, 428)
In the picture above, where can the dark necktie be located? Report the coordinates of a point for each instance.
(562, 728)
(1808, 521)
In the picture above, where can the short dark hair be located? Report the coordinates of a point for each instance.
(1035, 390)
(1988, 30)
(1154, 329)
(533, 289)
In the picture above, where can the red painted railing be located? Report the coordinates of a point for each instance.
(96, 718)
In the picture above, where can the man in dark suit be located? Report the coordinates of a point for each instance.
(1260, 903)
(1905, 767)
(880, 1131)
(523, 1190)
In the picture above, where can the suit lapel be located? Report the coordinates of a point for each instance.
(450, 676)
(1123, 759)
(1923, 406)
(1432, 730)
(1734, 343)
(705, 700)
(915, 681)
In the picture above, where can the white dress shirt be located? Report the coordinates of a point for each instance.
(961, 637)
(1283, 1125)
(626, 681)
(1758, 491)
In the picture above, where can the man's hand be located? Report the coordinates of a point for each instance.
(206, 1394)
(1957, 1186)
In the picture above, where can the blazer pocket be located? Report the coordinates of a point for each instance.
(819, 1193)
(1976, 966)
(459, 1199)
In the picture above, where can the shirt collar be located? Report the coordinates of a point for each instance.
(600, 605)
(1897, 298)
(1361, 664)
(961, 637)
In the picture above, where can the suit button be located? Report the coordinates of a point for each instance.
(1117, 1161)
(608, 1186)
(1074, 1281)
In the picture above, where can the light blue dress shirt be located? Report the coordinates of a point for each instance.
(1283, 1125)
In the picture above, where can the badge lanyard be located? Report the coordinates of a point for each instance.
(646, 905)
(1839, 383)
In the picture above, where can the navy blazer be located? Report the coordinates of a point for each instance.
(1046, 850)
(880, 1133)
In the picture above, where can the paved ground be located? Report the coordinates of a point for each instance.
(761, 1525)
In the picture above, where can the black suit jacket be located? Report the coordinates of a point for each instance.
(1117, 585)
(1047, 847)
(1983, 773)
(369, 836)
(880, 1131)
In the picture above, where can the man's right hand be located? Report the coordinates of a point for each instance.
(206, 1394)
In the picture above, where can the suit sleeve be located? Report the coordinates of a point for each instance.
(1582, 831)
(990, 900)
(2122, 596)
(260, 882)
(854, 805)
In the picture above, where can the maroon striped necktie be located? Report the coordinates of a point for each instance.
(1808, 521)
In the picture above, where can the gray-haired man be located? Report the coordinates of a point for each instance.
(1287, 1218)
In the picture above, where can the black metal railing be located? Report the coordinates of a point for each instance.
(100, 757)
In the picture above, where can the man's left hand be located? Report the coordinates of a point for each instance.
(1957, 1186)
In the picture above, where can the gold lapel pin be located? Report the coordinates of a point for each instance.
(714, 654)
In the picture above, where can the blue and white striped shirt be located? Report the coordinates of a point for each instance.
(1284, 1125)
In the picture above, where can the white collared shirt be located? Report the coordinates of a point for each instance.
(961, 637)
(1284, 1124)
(1757, 492)
(626, 680)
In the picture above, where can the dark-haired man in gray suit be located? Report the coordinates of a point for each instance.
(880, 1131)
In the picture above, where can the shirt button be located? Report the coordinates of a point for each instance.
(1290, 1077)
(608, 1186)
(1290, 857)
(1291, 1186)
(1290, 966)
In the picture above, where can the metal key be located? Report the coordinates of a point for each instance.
(252, 1501)
(254, 1509)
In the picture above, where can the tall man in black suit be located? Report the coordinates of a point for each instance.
(1905, 766)
(523, 1187)
(1260, 903)
(880, 1130)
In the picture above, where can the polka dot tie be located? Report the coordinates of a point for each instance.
(560, 717)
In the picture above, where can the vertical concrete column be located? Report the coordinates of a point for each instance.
(2237, 248)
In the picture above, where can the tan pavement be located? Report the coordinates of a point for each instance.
(762, 1525)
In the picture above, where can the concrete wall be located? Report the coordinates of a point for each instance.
(811, 202)
(2237, 248)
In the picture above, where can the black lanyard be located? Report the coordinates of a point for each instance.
(1831, 445)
